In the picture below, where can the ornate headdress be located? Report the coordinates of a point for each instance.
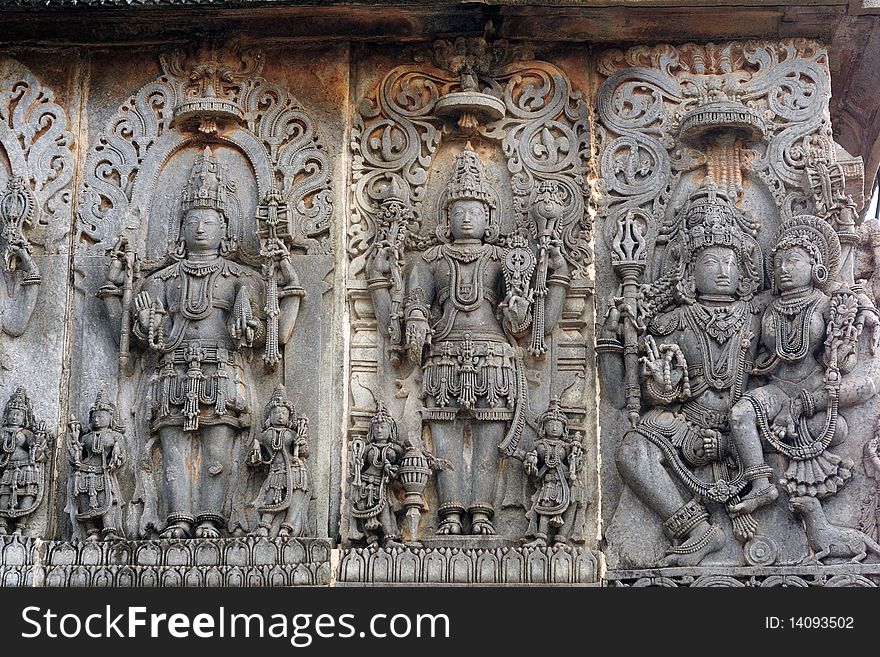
(554, 412)
(207, 186)
(279, 398)
(816, 237)
(381, 416)
(103, 403)
(468, 183)
(710, 219)
(20, 401)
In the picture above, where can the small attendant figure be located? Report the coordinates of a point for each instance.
(283, 446)
(95, 459)
(558, 503)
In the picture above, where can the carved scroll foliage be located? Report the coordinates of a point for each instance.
(35, 138)
(783, 87)
(544, 136)
(274, 133)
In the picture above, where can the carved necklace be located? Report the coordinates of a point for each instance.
(198, 288)
(720, 324)
(466, 283)
(792, 318)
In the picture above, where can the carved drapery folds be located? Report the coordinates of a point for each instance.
(730, 258)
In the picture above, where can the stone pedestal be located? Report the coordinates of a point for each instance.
(196, 562)
(464, 565)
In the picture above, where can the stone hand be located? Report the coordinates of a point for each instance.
(417, 336)
(784, 422)
(143, 303)
(711, 444)
(23, 255)
(556, 261)
(657, 366)
(516, 308)
(382, 262)
(118, 261)
(530, 463)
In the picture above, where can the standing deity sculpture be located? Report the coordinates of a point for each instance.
(197, 319)
(22, 462)
(282, 445)
(559, 503)
(701, 319)
(95, 458)
(465, 302)
(809, 334)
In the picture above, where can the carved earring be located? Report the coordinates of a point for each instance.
(820, 273)
(179, 252)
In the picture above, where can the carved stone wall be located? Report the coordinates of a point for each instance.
(451, 311)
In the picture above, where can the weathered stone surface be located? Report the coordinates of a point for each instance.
(559, 565)
(430, 221)
(198, 562)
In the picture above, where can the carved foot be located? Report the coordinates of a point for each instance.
(483, 527)
(207, 530)
(177, 530)
(539, 542)
(763, 493)
(695, 548)
(285, 531)
(450, 525)
(262, 531)
(93, 535)
(110, 534)
(391, 543)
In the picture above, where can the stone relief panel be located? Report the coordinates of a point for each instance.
(728, 255)
(205, 303)
(469, 284)
(36, 171)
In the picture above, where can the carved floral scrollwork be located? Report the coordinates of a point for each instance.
(651, 100)
(544, 134)
(217, 96)
(34, 135)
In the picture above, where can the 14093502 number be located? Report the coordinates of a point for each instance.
(821, 622)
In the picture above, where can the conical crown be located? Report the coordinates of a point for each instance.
(207, 186)
(468, 180)
(18, 400)
(103, 402)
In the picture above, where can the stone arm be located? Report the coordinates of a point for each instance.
(17, 315)
(116, 457)
(75, 447)
(290, 294)
(417, 311)
(558, 283)
(379, 283)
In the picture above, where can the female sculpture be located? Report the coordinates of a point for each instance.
(810, 340)
(559, 501)
(373, 466)
(282, 445)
